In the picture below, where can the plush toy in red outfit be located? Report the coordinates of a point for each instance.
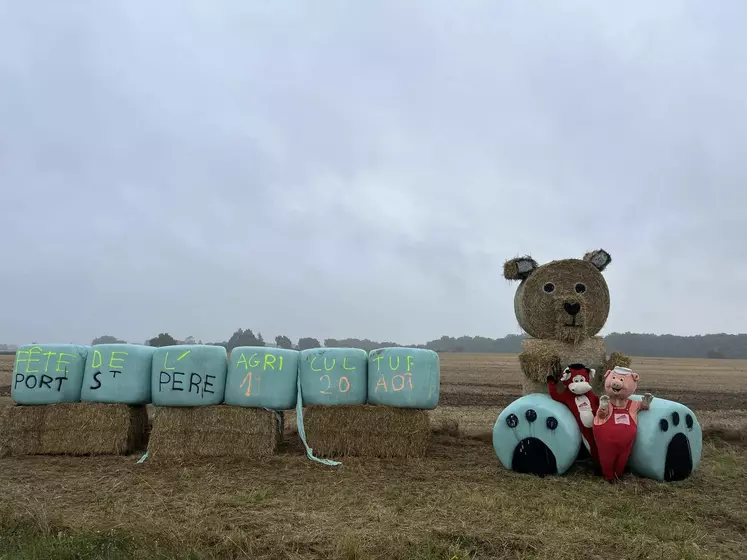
(616, 421)
(580, 399)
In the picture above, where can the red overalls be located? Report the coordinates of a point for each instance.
(615, 439)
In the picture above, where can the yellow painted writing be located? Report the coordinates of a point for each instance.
(166, 359)
(311, 365)
(96, 354)
(29, 359)
(252, 362)
(34, 355)
(328, 368)
(268, 362)
(61, 362)
(345, 363)
(394, 362)
(48, 355)
(112, 365)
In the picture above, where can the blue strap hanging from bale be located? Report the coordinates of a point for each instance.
(302, 432)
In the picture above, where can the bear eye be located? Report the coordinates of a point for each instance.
(580, 288)
(549, 287)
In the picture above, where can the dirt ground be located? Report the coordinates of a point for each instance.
(456, 503)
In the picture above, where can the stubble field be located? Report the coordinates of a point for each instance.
(456, 503)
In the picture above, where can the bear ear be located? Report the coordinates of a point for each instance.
(519, 268)
(599, 258)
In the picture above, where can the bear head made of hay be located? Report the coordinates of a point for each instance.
(561, 305)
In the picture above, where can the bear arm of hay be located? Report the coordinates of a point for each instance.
(617, 359)
(537, 365)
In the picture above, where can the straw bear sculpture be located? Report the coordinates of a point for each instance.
(561, 305)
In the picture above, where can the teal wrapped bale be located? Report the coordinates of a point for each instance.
(669, 442)
(118, 373)
(48, 373)
(189, 375)
(334, 376)
(404, 377)
(536, 435)
(261, 377)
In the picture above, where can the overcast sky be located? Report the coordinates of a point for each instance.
(363, 169)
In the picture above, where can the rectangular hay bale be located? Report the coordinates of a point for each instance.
(214, 431)
(367, 431)
(72, 429)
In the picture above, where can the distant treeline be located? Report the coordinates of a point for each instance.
(731, 346)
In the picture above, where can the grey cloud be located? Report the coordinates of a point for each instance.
(364, 169)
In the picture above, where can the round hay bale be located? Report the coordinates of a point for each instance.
(565, 300)
(536, 435)
(669, 442)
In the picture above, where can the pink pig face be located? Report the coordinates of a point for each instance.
(620, 382)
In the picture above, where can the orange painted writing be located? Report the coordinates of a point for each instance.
(343, 384)
(248, 381)
(394, 382)
(398, 382)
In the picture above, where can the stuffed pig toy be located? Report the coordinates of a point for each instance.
(616, 420)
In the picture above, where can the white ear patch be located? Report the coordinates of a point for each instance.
(599, 260)
(524, 266)
(566, 374)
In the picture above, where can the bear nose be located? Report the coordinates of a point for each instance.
(572, 308)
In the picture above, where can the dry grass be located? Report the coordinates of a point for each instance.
(366, 431)
(455, 503)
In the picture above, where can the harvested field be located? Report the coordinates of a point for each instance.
(455, 503)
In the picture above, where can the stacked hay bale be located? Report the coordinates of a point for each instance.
(50, 380)
(367, 405)
(205, 407)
